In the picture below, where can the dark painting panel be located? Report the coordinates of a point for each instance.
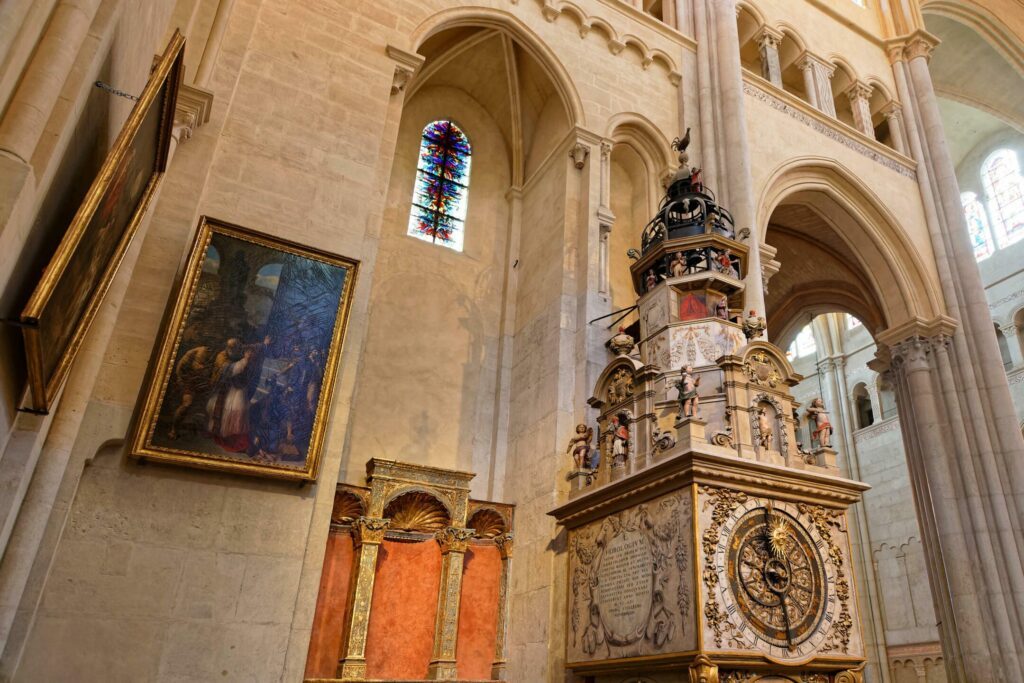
(253, 349)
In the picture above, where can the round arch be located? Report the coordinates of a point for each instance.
(834, 217)
(497, 19)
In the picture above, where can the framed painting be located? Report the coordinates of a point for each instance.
(57, 316)
(241, 379)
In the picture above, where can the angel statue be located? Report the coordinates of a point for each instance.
(579, 446)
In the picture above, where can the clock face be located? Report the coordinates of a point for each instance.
(777, 590)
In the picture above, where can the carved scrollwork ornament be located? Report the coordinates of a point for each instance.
(724, 501)
(367, 530)
(703, 670)
(453, 539)
(825, 521)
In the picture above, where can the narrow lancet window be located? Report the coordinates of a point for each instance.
(439, 199)
(1005, 189)
(977, 226)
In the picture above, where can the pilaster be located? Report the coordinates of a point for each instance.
(768, 40)
(453, 542)
(367, 535)
(499, 668)
(859, 95)
(818, 82)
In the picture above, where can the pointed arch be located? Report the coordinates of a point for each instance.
(893, 287)
(991, 29)
(537, 48)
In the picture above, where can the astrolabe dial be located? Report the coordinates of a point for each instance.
(777, 590)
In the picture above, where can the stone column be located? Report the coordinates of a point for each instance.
(737, 151)
(367, 535)
(41, 84)
(860, 102)
(453, 542)
(893, 113)
(768, 40)
(213, 42)
(499, 668)
(818, 82)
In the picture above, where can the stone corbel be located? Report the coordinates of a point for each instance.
(579, 154)
(769, 266)
(191, 110)
(406, 65)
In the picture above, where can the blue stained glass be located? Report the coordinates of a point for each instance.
(442, 183)
(977, 226)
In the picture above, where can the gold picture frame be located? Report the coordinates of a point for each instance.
(242, 377)
(60, 311)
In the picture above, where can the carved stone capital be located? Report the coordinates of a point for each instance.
(859, 91)
(921, 45)
(191, 110)
(912, 354)
(369, 530)
(1010, 330)
(453, 539)
(606, 149)
(893, 110)
(504, 542)
(768, 38)
(579, 154)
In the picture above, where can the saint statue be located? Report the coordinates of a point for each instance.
(822, 432)
(688, 398)
(619, 434)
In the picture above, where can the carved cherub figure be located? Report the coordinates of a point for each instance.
(764, 426)
(579, 446)
(753, 325)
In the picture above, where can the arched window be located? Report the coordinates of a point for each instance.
(862, 403)
(852, 322)
(439, 199)
(1004, 348)
(977, 226)
(803, 345)
(1004, 188)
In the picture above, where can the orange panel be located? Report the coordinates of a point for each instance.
(331, 602)
(400, 639)
(478, 612)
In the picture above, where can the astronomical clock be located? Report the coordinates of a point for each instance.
(706, 517)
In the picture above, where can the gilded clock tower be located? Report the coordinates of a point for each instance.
(706, 542)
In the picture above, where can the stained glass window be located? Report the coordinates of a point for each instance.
(1004, 188)
(803, 345)
(977, 226)
(442, 184)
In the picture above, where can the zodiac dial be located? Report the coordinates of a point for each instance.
(777, 590)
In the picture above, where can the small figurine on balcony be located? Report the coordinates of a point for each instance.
(621, 344)
(723, 264)
(677, 266)
(722, 308)
(753, 325)
(822, 433)
(764, 428)
(687, 387)
(579, 446)
(651, 280)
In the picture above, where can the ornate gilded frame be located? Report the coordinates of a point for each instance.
(160, 90)
(162, 364)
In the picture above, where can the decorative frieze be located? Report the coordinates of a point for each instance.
(828, 131)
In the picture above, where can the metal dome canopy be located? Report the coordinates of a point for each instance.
(688, 209)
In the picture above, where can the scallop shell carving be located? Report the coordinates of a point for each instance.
(347, 506)
(416, 511)
(486, 523)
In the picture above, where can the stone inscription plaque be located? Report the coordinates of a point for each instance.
(631, 587)
(625, 587)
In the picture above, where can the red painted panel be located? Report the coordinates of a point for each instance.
(400, 637)
(331, 602)
(478, 612)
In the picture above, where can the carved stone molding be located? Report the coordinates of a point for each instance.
(505, 544)
(829, 131)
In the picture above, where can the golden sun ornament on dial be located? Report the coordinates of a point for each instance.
(778, 589)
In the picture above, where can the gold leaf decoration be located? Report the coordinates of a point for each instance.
(487, 523)
(347, 507)
(417, 511)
